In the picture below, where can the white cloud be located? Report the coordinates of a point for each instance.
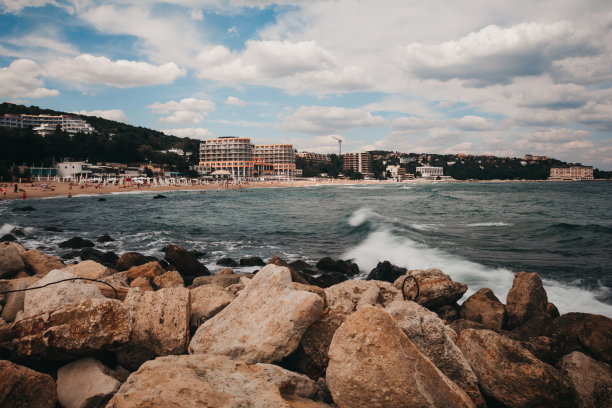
(88, 69)
(232, 100)
(117, 115)
(193, 133)
(196, 15)
(183, 117)
(329, 119)
(15, 6)
(187, 110)
(559, 135)
(21, 79)
(233, 31)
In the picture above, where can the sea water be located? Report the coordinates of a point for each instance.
(478, 233)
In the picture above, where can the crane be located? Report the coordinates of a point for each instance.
(339, 145)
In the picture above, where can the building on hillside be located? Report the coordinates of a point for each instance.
(530, 158)
(406, 159)
(69, 124)
(73, 170)
(430, 171)
(315, 157)
(399, 173)
(573, 173)
(359, 162)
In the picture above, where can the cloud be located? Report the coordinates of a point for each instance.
(193, 133)
(232, 100)
(111, 114)
(187, 110)
(21, 80)
(196, 15)
(469, 123)
(329, 119)
(15, 6)
(88, 69)
(558, 135)
(233, 31)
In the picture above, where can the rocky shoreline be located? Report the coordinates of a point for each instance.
(131, 331)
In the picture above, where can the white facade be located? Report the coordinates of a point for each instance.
(430, 171)
(70, 124)
(73, 169)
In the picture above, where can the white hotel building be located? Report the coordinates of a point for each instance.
(45, 123)
(430, 171)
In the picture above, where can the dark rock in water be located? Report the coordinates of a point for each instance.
(129, 259)
(185, 263)
(324, 279)
(252, 261)
(196, 254)
(101, 199)
(76, 242)
(229, 262)
(299, 265)
(53, 229)
(387, 272)
(8, 238)
(25, 209)
(337, 265)
(104, 238)
(159, 196)
(19, 233)
(108, 259)
(70, 255)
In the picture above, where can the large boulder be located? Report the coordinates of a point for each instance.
(187, 264)
(342, 300)
(160, 322)
(428, 333)
(215, 382)
(41, 263)
(170, 279)
(252, 261)
(223, 280)
(264, 324)
(89, 270)
(206, 302)
(76, 243)
(75, 330)
(57, 295)
(14, 301)
(591, 379)
(373, 364)
(386, 271)
(328, 264)
(148, 270)
(228, 262)
(435, 288)
(108, 259)
(21, 387)
(85, 383)
(11, 261)
(526, 298)
(129, 259)
(485, 308)
(511, 375)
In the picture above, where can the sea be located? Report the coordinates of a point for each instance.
(478, 233)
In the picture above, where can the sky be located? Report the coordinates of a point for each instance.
(506, 78)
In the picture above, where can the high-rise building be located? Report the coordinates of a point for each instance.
(315, 157)
(574, 173)
(70, 124)
(277, 159)
(360, 162)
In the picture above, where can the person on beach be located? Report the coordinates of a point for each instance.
(16, 187)
(5, 191)
(24, 195)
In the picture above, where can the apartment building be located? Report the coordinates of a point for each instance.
(274, 159)
(430, 171)
(360, 162)
(315, 157)
(573, 173)
(70, 124)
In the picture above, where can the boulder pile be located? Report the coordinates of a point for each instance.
(147, 332)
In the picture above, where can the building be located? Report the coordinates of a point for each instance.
(315, 157)
(399, 173)
(274, 159)
(70, 124)
(407, 159)
(359, 162)
(529, 157)
(430, 171)
(573, 173)
(73, 170)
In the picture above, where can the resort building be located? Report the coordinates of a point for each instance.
(43, 123)
(573, 173)
(360, 162)
(430, 171)
(315, 157)
(399, 173)
(274, 159)
(73, 170)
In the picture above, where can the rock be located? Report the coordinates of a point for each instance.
(130, 259)
(460, 325)
(299, 265)
(187, 265)
(342, 300)
(101, 199)
(510, 374)
(525, 299)
(89, 270)
(104, 238)
(86, 383)
(170, 279)
(591, 379)
(227, 262)
(143, 283)
(108, 259)
(385, 271)
(57, 295)
(10, 261)
(75, 330)
(21, 387)
(214, 382)
(160, 325)
(223, 280)
(535, 326)
(14, 301)
(323, 279)
(428, 333)
(295, 276)
(337, 265)
(159, 196)
(485, 308)
(264, 324)
(41, 263)
(252, 261)
(435, 288)
(53, 229)
(8, 238)
(19, 232)
(373, 364)
(76, 243)
(448, 313)
(206, 302)
(225, 271)
(147, 270)
(26, 208)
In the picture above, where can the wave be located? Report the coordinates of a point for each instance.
(488, 224)
(383, 245)
(7, 228)
(361, 216)
(567, 227)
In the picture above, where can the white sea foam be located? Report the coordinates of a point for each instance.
(488, 224)
(382, 245)
(7, 228)
(360, 216)
(424, 227)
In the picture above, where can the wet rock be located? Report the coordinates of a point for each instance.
(76, 243)
(108, 259)
(101, 199)
(8, 238)
(104, 238)
(76, 330)
(26, 208)
(385, 271)
(159, 196)
(526, 298)
(206, 302)
(229, 262)
(252, 261)
(299, 265)
(89, 270)
(510, 374)
(130, 259)
(53, 229)
(323, 279)
(485, 308)
(41, 263)
(196, 254)
(186, 264)
(435, 288)
(160, 323)
(264, 324)
(170, 279)
(215, 382)
(148, 270)
(14, 301)
(428, 333)
(86, 383)
(328, 264)
(11, 261)
(21, 387)
(223, 280)
(591, 379)
(342, 300)
(373, 364)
